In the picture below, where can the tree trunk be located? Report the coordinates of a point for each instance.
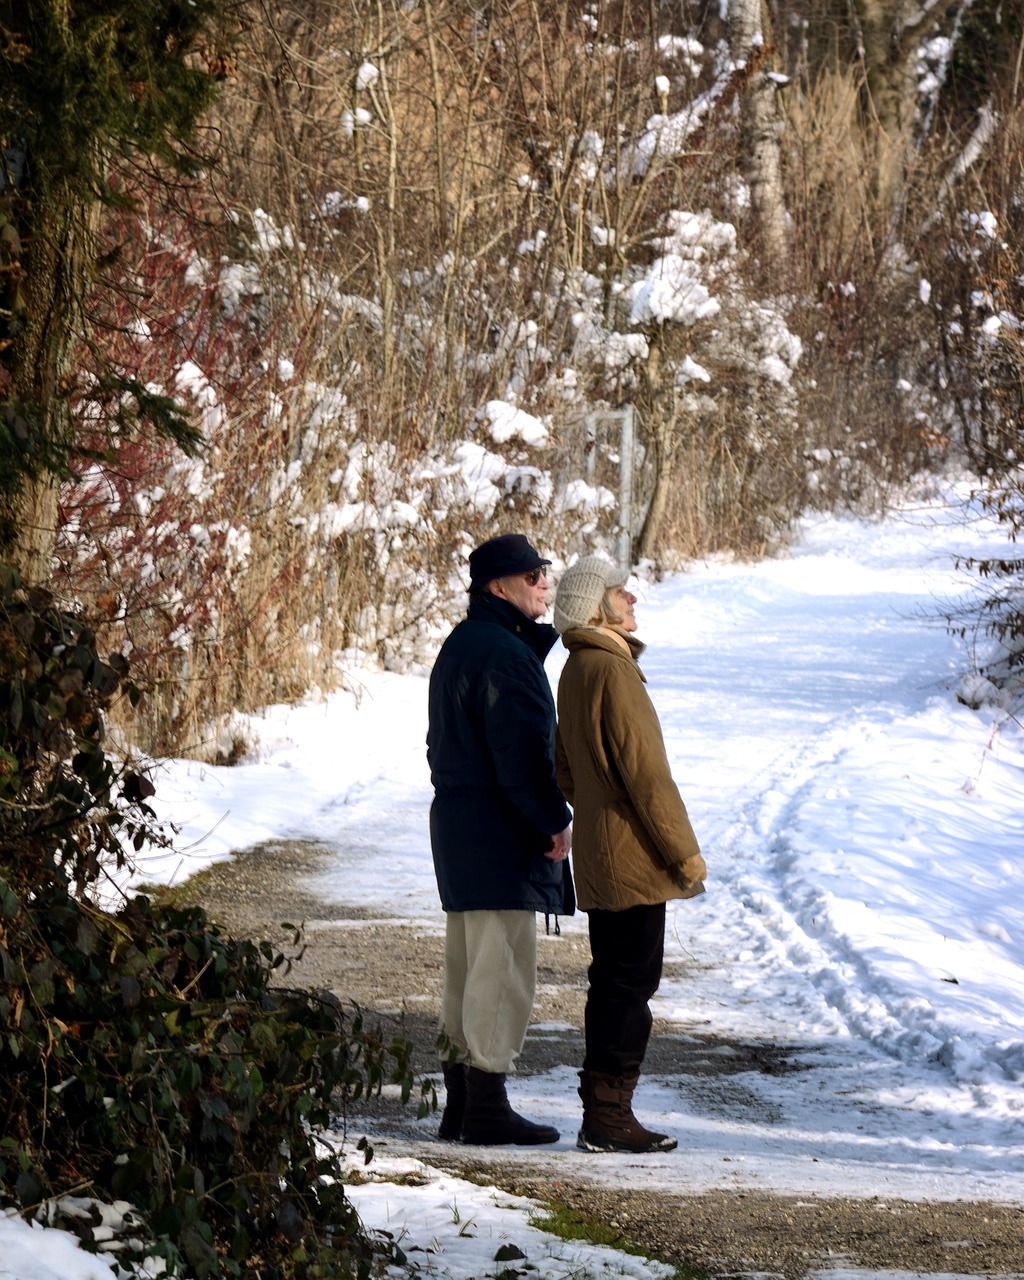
(762, 125)
(59, 249)
(646, 543)
(35, 517)
(889, 37)
(661, 421)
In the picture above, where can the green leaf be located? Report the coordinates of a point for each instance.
(188, 1078)
(29, 1189)
(240, 1244)
(10, 903)
(196, 1246)
(131, 991)
(87, 937)
(133, 1174)
(15, 706)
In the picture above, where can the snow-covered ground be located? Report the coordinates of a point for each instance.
(865, 907)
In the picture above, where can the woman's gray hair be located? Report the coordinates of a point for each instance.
(607, 614)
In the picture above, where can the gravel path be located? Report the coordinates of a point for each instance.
(395, 971)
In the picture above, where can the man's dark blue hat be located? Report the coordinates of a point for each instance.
(501, 557)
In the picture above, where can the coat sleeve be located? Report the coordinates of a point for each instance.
(519, 720)
(562, 771)
(636, 745)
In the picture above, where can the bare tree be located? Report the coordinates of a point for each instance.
(763, 123)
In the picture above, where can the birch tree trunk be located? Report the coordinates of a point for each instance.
(762, 125)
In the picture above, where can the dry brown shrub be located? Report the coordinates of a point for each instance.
(410, 196)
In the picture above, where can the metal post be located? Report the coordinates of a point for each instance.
(625, 540)
(627, 444)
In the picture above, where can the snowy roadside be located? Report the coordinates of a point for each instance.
(862, 829)
(865, 913)
(708, 1205)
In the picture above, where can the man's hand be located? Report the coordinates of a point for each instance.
(560, 846)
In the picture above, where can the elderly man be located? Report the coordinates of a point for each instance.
(499, 831)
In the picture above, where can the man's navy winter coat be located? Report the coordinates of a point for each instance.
(491, 750)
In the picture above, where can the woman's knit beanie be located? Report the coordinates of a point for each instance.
(581, 589)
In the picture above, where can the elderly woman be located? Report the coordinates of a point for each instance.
(633, 845)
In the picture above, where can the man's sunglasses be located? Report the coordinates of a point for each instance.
(534, 576)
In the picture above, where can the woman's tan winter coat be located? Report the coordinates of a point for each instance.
(632, 840)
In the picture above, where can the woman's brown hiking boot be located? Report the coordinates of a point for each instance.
(608, 1120)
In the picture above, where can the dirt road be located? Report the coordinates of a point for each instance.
(395, 971)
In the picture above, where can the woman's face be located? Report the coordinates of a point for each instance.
(622, 601)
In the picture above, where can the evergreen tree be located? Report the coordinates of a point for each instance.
(84, 84)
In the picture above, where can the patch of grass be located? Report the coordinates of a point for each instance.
(357, 1178)
(185, 893)
(573, 1224)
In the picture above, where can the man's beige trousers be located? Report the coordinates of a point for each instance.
(490, 976)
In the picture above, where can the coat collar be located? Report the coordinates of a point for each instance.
(539, 637)
(594, 638)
